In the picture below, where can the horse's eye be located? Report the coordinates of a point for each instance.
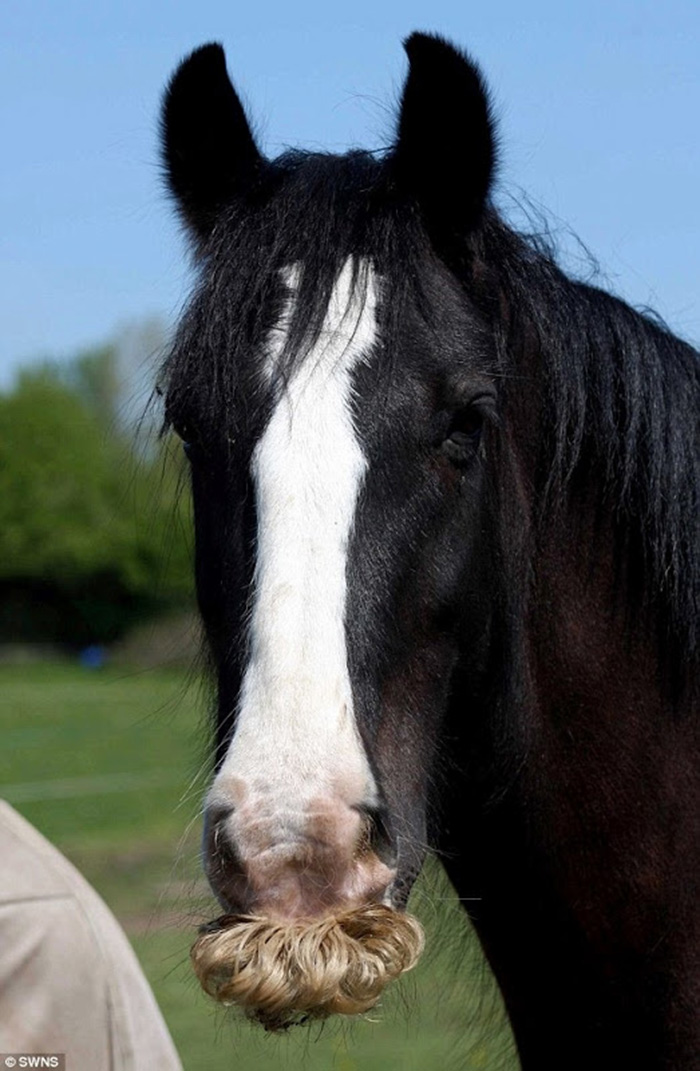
(463, 435)
(186, 432)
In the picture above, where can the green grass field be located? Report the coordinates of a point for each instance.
(111, 766)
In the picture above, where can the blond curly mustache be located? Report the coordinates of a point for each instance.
(282, 972)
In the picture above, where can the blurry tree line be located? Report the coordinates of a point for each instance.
(95, 526)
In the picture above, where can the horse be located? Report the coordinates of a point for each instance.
(446, 557)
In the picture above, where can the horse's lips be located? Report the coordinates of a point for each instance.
(284, 972)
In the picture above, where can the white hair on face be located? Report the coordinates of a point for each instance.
(296, 737)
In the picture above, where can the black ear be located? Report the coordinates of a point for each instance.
(209, 152)
(445, 152)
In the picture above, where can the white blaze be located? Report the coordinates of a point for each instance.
(296, 737)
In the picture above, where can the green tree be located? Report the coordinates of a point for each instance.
(92, 536)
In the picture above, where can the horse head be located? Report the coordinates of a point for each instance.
(334, 387)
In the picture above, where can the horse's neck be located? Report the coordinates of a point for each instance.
(590, 865)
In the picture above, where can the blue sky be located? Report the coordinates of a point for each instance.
(598, 105)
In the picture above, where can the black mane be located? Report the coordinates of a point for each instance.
(619, 419)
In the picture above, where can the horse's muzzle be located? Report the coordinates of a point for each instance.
(309, 930)
(272, 860)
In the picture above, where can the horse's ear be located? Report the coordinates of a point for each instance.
(445, 151)
(209, 152)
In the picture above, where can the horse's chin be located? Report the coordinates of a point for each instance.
(283, 972)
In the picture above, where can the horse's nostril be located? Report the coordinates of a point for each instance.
(375, 836)
(217, 813)
(220, 854)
